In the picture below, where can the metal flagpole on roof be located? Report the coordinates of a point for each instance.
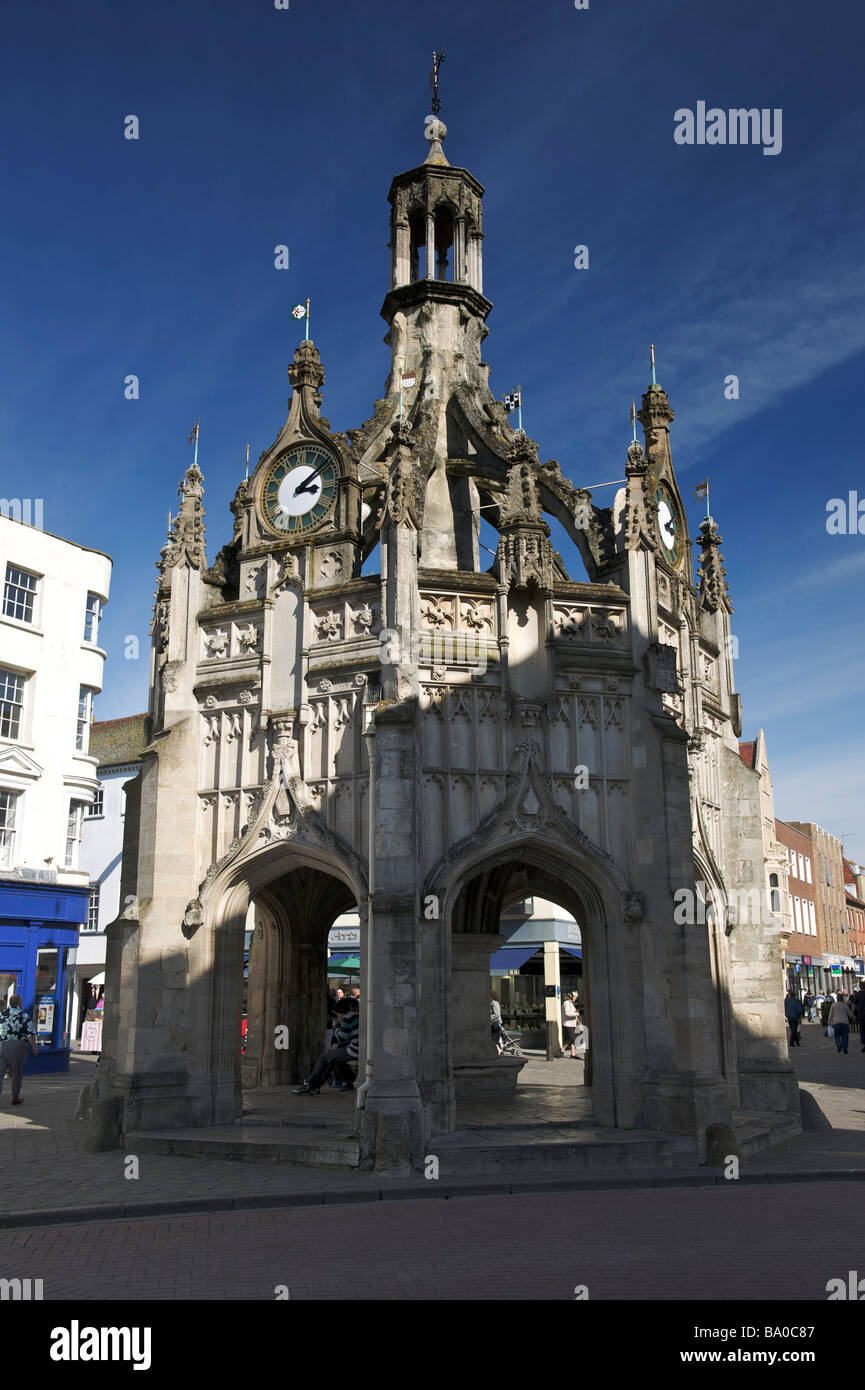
(193, 439)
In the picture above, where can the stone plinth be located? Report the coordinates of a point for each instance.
(487, 1080)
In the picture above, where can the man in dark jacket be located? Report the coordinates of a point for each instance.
(793, 1011)
(857, 999)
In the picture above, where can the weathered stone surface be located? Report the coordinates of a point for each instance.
(407, 742)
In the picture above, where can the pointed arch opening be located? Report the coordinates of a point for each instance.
(261, 965)
(443, 222)
(581, 904)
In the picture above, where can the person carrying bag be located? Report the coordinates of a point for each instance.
(840, 1019)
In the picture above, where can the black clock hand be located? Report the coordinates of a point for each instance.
(305, 485)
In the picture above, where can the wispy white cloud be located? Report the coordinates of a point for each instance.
(808, 787)
(790, 680)
(745, 294)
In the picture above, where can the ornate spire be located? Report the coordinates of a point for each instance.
(714, 592)
(185, 542)
(656, 417)
(524, 558)
(404, 499)
(637, 524)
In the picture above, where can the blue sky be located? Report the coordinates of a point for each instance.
(261, 127)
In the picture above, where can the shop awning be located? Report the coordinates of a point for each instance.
(572, 950)
(344, 961)
(511, 958)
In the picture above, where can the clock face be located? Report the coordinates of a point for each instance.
(299, 489)
(669, 526)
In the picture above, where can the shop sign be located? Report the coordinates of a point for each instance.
(45, 1006)
(344, 936)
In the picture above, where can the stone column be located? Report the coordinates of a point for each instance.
(395, 1128)
(684, 1089)
(306, 1003)
(430, 246)
(460, 250)
(253, 1063)
(274, 995)
(437, 1077)
(552, 976)
(401, 267)
(478, 1072)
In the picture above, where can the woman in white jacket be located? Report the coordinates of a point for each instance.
(570, 1019)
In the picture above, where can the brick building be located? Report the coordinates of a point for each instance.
(831, 895)
(804, 954)
(854, 882)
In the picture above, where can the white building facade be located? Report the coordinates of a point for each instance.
(50, 673)
(117, 743)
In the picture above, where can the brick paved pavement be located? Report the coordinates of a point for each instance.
(41, 1143)
(715, 1243)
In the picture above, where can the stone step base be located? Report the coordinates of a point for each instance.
(583, 1151)
(482, 1149)
(758, 1132)
(264, 1145)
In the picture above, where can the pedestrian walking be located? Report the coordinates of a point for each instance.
(840, 1018)
(496, 1022)
(16, 1032)
(858, 1000)
(808, 1002)
(793, 1011)
(570, 1019)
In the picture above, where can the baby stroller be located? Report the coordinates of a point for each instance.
(510, 1046)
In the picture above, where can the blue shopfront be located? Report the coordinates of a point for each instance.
(38, 943)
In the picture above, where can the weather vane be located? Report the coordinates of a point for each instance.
(438, 59)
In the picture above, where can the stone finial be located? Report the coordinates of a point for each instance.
(636, 522)
(524, 558)
(636, 459)
(714, 591)
(435, 131)
(656, 417)
(237, 505)
(306, 369)
(521, 500)
(404, 500)
(522, 447)
(655, 410)
(400, 430)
